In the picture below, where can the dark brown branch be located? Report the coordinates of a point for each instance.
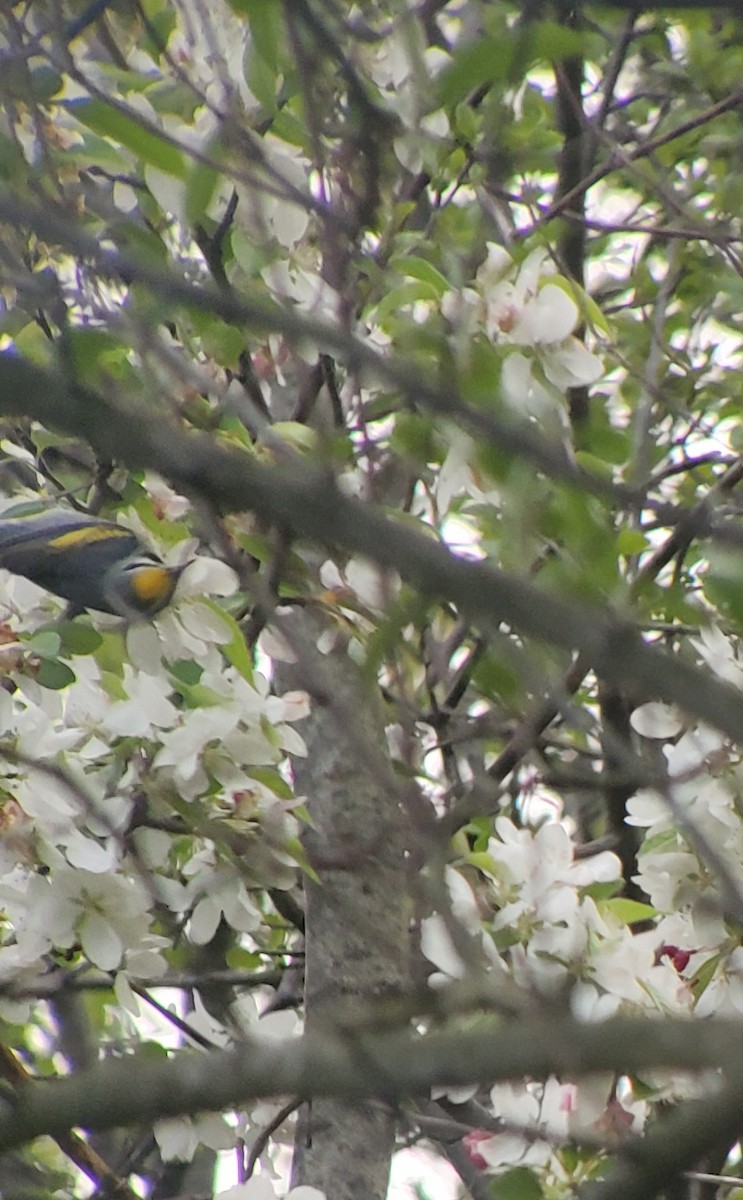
(648, 1166)
(571, 170)
(618, 162)
(616, 734)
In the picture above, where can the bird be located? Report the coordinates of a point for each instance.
(88, 561)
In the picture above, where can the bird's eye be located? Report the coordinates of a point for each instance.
(134, 565)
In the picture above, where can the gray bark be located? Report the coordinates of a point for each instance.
(357, 915)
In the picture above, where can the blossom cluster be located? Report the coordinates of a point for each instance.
(158, 721)
(529, 314)
(561, 932)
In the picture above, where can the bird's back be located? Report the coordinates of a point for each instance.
(67, 553)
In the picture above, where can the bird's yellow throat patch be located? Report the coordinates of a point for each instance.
(153, 583)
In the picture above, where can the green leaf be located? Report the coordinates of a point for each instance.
(31, 343)
(480, 386)
(521, 1183)
(302, 813)
(186, 671)
(496, 677)
(94, 353)
(295, 848)
(78, 638)
(705, 974)
(723, 583)
(198, 695)
(113, 686)
(300, 437)
(595, 465)
(224, 342)
(660, 843)
(46, 643)
(235, 651)
(551, 40)
(405, 294)
(414, 437)
(240, 959)
(484, 61)
(12, 163)
(200, 188)
(271, 778)
(146, 143)
(262, 80)
(143, 242)
(419, 268)
(629, 911)
(601, 892)
(54, 674)
(266, 26)
(607, 444)
(593, 313)
(149, 1051)
(631, 541)
(483, 861)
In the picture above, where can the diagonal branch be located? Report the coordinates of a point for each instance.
(512, 437)
(308, 501)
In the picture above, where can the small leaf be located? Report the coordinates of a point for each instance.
(186, 671)
(593, 313)
(201, 185)
(485, 61)
(405, 294)
(113, 686)
(629, 911)
(302, 813)
(271, 778)
(121, 128)
(419, 268)
(199, 695)
(240, 959)
(705, 975)
(54, 674)
(483, 862)
(46, 643)
(295, 848)
(78, 638)
(234, 650)
(519, 1184)
(299, 437)
(723, 582)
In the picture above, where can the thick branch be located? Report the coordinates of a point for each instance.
(308, 502)
(511, 437)
(673, 1146)
(138, 1090)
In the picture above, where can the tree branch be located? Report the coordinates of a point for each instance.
(363, 1065)
(513, 437)
(308, 501)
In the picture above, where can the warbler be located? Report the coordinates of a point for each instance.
(90, 562)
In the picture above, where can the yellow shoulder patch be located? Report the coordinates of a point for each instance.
(86, 535)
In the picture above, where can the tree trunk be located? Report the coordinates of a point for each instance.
(357, 915)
